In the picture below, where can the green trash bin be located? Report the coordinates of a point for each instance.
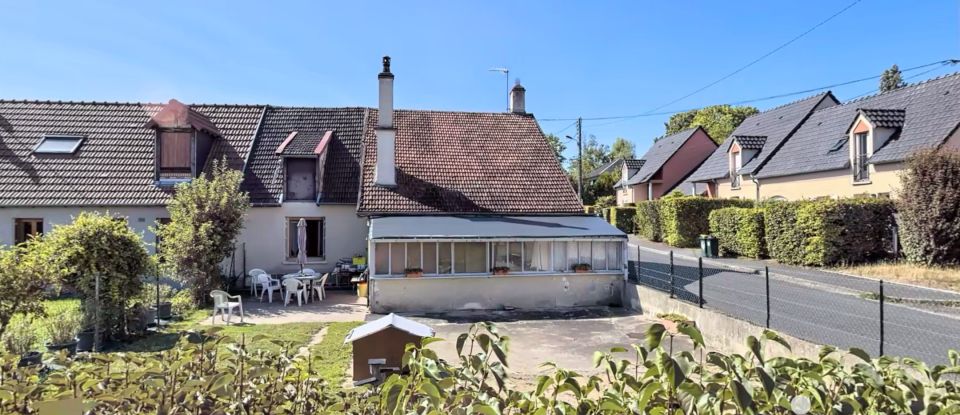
(709, 247)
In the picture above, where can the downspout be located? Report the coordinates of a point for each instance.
(756, 184)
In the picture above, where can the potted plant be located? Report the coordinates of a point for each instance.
(165, 309)
(413, 272)
(62, 333)
(501, 270)
(582, 267)
(19, 339)
(672, 321)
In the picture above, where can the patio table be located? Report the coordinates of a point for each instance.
(307, 281)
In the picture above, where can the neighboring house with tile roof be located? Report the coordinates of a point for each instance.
(664, 166)
(456, 195)
(858, 148)
(728, 172)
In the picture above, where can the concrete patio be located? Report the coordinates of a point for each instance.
(338, 306)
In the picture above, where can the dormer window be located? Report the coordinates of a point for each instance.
(301, 179)
(184, 140)
(303, 157)
(861, 172)
(175, 151)
(735, 165)
(58, 144)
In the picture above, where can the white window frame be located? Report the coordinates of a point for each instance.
(286, 240)
(491, 261)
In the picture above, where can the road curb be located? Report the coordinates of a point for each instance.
(748, 270)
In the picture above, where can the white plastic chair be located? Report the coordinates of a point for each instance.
(223, 305)
(318, 287)
(254, 281)
(293, 286)
(267, 286)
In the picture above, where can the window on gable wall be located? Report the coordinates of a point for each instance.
(735, 166)
(860, 171)
(301, 180)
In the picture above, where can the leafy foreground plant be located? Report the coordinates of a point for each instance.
(200, 377)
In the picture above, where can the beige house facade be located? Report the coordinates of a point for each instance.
(834, 150)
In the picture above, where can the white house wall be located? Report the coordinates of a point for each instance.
(265, 235)
(140, 219)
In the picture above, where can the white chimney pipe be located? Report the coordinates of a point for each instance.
(518, 99)
(386, 170)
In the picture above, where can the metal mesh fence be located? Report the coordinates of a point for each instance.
(895, 320)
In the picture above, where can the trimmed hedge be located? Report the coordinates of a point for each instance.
(739, 231)
(828, 232)
(648, 220)
(590, 209)
(684, 219)
(783, 239)
(929, 206)
(624, 218)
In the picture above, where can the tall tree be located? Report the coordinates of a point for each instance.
(891, 79)
(622, 149)
(558, 147)
(206, 215)
(718, 120)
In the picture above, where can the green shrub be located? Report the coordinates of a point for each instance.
(739, 231)
(684, 219)
(624, 218)
(212, 373)
(606, 201)
(929, 208)
(829, 232)
(590, 209)
(648, 220)
(27, 271)
(102, 251)
(845, 231)
(784, 240)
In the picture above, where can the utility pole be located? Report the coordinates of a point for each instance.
(580, 156)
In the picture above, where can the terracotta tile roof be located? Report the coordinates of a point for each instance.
(263, 178)
(463, 162)
(114, 166)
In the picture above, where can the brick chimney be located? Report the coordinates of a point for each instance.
(518, 99)
(386, 170)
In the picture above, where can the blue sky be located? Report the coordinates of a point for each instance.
(575, 58)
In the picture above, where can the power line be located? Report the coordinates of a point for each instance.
(765, 98)
(904, 79)
(762, 57)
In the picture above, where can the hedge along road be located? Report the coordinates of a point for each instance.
(808, 311)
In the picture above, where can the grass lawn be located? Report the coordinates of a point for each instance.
(331, 356)
(53, 309)
(947, 278)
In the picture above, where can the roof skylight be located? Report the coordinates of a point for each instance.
(58, 144)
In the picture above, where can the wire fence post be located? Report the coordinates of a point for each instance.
(700, 279)
(636, 265)
(881, 317)
(671, 274)
(766, 277)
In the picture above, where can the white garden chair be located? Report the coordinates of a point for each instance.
(267, 286)
(254, 281)
(318, 287)
(223, 305)
(293, 287)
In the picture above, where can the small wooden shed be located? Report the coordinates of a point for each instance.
(382, 342)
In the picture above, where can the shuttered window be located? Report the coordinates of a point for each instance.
(175, 151)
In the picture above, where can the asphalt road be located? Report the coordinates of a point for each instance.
(808, 311)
